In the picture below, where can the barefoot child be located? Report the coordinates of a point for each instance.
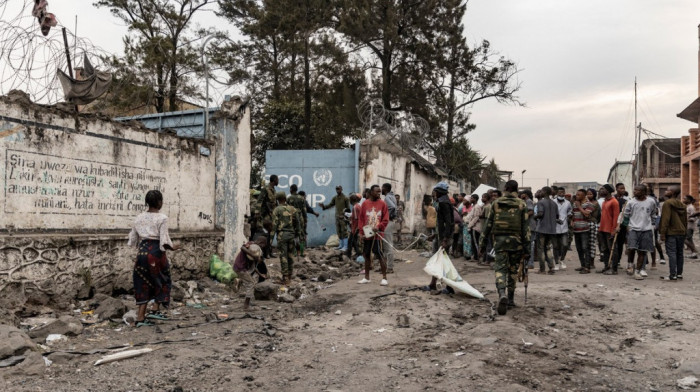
(151, 270)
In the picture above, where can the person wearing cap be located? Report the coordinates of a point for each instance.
(246, 264)
(287, 226)
(340, 202)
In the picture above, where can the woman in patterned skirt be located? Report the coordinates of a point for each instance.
(151, 270)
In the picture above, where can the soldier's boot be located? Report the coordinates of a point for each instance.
(286, 280)
(502, 307)
(511, 299)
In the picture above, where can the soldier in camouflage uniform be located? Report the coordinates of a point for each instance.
(507, 222)
(287, 227)
(299, 203)
(264, 207)
(341, 202)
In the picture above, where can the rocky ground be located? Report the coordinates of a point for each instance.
(576, 333)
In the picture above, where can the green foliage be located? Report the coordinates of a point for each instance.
(159, 52)
(307, 65)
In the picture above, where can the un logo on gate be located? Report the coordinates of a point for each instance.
(323, 177)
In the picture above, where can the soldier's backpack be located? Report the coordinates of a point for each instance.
(507, 216)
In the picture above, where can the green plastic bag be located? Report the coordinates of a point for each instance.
(220, 270)
(226, 274)
(215, 265)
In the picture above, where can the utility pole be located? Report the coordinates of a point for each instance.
(638, 158)
(205, 63)
(636, 139)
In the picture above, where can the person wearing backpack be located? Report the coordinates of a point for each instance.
(507, 222)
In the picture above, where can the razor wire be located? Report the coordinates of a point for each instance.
(29, 60)
(406, 129)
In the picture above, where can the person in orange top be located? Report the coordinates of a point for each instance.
(610, 210)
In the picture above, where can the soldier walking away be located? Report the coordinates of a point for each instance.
(508, 223)
(265, 206)
(287, 227)
(299, 202)
(340, 202)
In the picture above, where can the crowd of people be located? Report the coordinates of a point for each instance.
(606, 225)
(499, 229)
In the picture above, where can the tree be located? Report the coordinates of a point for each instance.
(388, 28)
(455, 78)
(159, 50)
(292, 59)
(491, 174)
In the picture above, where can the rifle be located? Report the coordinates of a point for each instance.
(522, 274)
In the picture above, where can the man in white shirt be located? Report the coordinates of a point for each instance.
(641, 212)
(561, 242)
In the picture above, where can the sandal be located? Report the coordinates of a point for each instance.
(425, 288)
(157, 315)
(144, 323)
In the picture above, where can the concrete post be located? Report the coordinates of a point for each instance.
(231, 128)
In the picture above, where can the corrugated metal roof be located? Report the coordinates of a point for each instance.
(692, 112)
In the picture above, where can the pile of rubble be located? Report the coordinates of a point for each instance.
(36, 337)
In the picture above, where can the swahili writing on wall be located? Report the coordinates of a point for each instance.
(50, 184)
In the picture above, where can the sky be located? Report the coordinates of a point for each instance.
(578, 62)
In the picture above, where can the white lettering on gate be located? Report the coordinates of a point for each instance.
(315, 199)
(285, 181)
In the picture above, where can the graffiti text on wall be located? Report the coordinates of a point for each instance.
(50, 184)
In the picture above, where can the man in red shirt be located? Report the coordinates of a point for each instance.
(610, 210)
(375, 214)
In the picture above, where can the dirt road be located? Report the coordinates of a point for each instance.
(576, 333)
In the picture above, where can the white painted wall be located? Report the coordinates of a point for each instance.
(381, 165)
(96, 177)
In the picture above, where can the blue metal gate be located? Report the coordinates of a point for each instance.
(317, 172)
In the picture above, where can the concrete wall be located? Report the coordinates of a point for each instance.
(72, 186)
(57, 176)
(383, 164)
